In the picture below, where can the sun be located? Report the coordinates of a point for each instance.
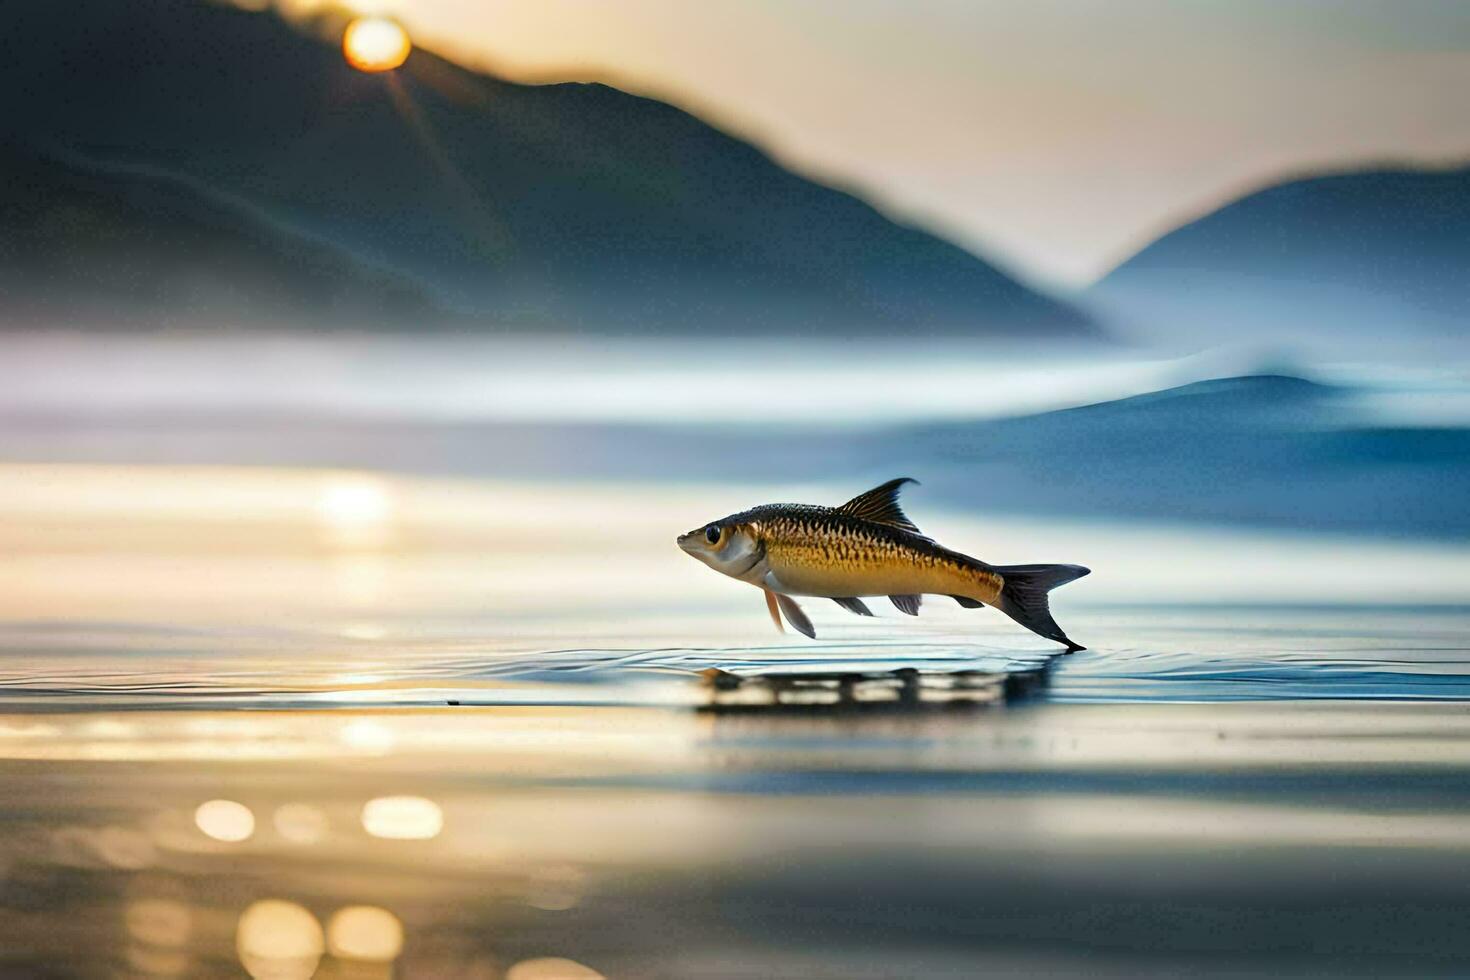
(375, 44)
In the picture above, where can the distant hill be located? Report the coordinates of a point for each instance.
(1263, 451)
(576, 205)
(130, 250)
(1370, 254)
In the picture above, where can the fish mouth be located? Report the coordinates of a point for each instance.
(686, 542)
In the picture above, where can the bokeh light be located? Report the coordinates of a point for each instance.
(367, 735)
(225, 820)
(365, 932)
(552, 968)
(402, 818)
(279, 940)
(374, 44)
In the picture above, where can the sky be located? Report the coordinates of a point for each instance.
(1056, 137)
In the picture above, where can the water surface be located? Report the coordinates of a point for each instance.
(485, 720)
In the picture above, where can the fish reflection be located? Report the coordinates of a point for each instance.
(279, 940)
(402, 818)
(365, 932)
(225, 820)
(866, 691)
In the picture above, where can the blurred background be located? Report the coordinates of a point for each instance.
(645, 243)
(368, 357)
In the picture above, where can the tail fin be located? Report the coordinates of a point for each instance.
(1023, 598)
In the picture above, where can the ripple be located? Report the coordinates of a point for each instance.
(1165, 653)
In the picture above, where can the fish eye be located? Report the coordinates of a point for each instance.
(712, 534)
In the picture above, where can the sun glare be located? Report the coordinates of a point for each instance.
(375, 44)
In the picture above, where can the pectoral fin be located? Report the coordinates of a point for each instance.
(854, 605)
(795, 616)
(771, 608)
(906, 603)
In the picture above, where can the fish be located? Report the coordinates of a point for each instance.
(868, 547)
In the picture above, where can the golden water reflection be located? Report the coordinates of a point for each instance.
(367, 735)
(620, 856)
(365, 932)
(279, 940)
(355, 511)
(552, 968)
(402, 818)
(225, 820)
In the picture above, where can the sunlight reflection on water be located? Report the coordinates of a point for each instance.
(225, 820)
(365, 932)
(508, 779)
(356, 512)
(147, 585)
(602, 837)
(279, 940)
(551, 968)
(402, 818)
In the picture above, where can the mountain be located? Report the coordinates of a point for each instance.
(573, 204)
(138, 249)
(1260, 451)
(1347, 256)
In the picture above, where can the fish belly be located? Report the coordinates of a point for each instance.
(838, 582)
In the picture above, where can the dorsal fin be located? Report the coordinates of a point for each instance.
(880, 505)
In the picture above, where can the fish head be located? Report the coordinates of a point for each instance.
(728, 546)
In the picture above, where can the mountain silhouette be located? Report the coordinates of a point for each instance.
(572, 205)
(1361, 255)
(134, 249)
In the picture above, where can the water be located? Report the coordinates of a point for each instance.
(648, 842)
(397, 719)
(162, 585)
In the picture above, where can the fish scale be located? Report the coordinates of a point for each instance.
(821, 551)
(867, 547)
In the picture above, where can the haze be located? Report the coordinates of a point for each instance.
(1055, 137)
